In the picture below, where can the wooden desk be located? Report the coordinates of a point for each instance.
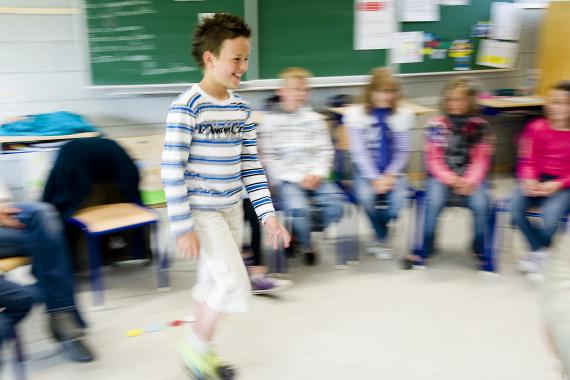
(525, 108)
(512, 102)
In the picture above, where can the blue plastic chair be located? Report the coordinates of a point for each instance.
(107, 219)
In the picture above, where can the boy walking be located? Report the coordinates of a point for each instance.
(209, 155)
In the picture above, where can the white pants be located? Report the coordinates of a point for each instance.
(223, 283)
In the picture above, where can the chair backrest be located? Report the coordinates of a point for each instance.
(85, 165)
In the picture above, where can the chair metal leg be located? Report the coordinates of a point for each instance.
(281, 263)
(417, 246)
(410, 229)
(138, 243)
(489, 259)
(160, 257)
(277, 262)
(20, 369)
(342, 243)
(353, 254)
(503, 228)
(95, 269)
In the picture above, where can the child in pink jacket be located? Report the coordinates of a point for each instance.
(459, 149)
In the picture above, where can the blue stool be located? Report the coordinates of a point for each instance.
(106, 219)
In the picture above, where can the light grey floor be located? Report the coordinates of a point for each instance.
(374, 321)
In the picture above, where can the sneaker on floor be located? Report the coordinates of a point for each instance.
(310, 257)
(263, 284)
(76, 350)
(415, 264)
(382, 251)
(223, 369)
(203, 366)
(533, 262)
(535, 277)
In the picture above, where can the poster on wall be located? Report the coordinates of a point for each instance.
(499, 54)
(374, 24)
(408, 47)
(506, 21)
(419, 10)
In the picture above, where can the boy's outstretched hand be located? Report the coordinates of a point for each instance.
(8, 217)
(276, 232)
(189, 245)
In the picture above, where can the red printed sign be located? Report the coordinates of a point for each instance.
(371, 6)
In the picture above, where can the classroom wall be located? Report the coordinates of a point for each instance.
(43, 68)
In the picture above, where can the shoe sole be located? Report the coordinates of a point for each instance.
(273, 290)
(526, 266)
(487, 274)
(199, 376)
(535, 277)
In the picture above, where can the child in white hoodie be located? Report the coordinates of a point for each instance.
(298, 154)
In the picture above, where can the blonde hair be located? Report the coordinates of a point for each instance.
(381, 78)
(295, 73)
(471, 88)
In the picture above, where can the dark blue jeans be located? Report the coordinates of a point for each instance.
(44, 241)
(437, 196)
(17, 301)
(297, 203)
(379, 218)
(552, 208)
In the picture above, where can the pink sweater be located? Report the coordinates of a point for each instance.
(544, 151)
(438, 133)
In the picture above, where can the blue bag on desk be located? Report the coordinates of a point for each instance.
(47, 124)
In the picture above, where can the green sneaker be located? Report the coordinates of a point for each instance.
(224, 370)
(195, 362)
(207, 366)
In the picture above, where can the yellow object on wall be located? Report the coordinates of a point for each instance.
(554, 51)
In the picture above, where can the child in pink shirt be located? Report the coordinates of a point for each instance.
(544, 177)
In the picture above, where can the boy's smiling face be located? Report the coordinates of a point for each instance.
(230, 64)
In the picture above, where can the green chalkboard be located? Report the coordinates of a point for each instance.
(146, 41)
(317, 35)
(455, 24)
(138, 42)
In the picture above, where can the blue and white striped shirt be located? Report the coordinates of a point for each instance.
(210, 154)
